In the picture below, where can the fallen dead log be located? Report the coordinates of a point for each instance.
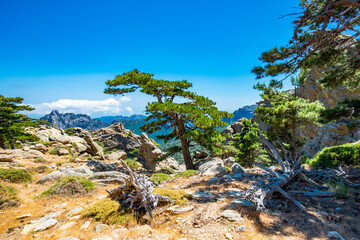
(136, 193)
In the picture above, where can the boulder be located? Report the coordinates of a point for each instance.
(148, 152)
(7, 154)
(232, 216)
(63, 151)
(66, 172)
(41, 147)
(116, 136)
(237, 169)
(95, 148)
(81, 147)
(213, 166)
(228, 162)
(115, 156)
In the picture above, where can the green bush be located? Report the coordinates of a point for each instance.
(16, 175)
(54, 151)
(347, 154)
(187, 173)
(160, 177)
(109, 212)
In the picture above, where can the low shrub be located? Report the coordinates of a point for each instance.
(347, 154)
(54, 151)
(109, 212)
(160, 177)
(88, 185)
(16, 175)
(132, 163)
(8, 196)
(187, 173)
(178, 196)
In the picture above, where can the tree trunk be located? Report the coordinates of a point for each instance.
(2, 143)
(186, 154)
(293, 143)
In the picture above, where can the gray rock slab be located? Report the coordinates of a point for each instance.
(232, 216)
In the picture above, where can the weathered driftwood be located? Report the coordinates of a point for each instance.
(290, 169)
(136, 193)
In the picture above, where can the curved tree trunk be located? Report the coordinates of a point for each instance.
(186, 154)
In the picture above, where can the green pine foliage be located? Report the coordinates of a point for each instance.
(347, 109)
(249, 145)
(189, 117)
(332, 157)
(13, 123)
(284, 113)
(326, 39)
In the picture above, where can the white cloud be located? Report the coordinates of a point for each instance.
(129, 109)
(104, 107)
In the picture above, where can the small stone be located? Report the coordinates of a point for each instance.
(103, 238)
(100, 227)
(61, 205)
(66, 226)
(36, 235)
(45, 225)
(26, 148)
(23, 216)
(232, 216)
(240, 229)
(75, 211)
(75, 217)
(333, 235)
(240, 203)
(85, 225)
(228, 236)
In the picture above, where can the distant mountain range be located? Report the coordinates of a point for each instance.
(133, 123)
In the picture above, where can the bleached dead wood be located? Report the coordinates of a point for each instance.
(290, 169)
(136, 193)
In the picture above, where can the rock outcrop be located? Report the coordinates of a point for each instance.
(148, 152)
(71, 120)
(116, 136)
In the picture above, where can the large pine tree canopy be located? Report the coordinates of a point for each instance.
(326, 38)
(190, 117)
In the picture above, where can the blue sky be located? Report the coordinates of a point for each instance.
(60, 53)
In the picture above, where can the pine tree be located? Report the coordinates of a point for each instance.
(190, 117)
(12, 123)
(249, 145)
(284, 113)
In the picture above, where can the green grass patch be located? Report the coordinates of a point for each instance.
(8, 193)
(109, 212)
(161, 177)
(46, 143)
(178, 196)
(345, 155)
(187, 173)
(132, 163)
(89, 185)
(40, 160)
(16, 175)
